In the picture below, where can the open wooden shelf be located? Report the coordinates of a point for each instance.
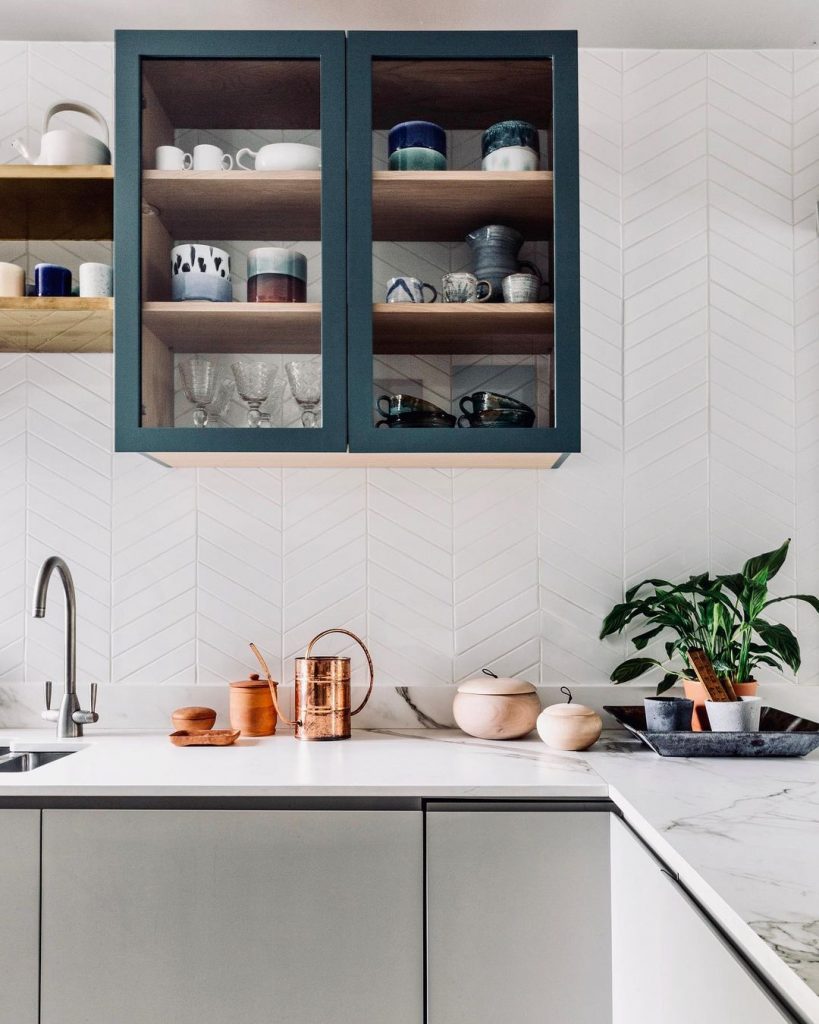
(56, 325)
(443, 206)
(71, 202)
(236, 204)
(236, 326)
(461, 93)
(463, 328)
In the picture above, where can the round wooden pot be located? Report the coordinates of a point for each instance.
(251, 707)
(569, 726)
(194, 719)
(496, 709)
(695, 691)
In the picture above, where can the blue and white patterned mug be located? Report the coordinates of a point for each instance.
(408, 289)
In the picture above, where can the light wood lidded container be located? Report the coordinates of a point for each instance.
(251, 707)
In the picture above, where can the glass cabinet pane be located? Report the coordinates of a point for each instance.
(231, 237)
(461, 248)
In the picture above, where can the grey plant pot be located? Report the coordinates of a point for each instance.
(668, 714)
(734, 716)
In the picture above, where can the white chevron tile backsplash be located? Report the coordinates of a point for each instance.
(699, 176)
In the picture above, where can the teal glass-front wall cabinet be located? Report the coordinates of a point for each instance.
(304, 365)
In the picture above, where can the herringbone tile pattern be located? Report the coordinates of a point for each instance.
(806, 295)
(580, 530)
(700, 320)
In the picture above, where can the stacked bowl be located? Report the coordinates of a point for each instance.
(276, 274)
(200, 272)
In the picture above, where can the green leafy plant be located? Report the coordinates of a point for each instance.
(723, 615)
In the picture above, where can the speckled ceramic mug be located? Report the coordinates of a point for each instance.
(96, 280)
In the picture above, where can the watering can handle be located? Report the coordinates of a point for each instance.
(78, 108)
(363, 647)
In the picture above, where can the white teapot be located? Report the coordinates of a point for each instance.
(69, 145)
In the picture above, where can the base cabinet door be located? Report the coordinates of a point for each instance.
(669, 962)
(19, 916)
(518, 916)
(202, 917)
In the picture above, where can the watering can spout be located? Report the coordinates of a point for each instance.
(21, 149)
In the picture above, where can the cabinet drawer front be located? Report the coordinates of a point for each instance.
(518, 917)
(662, 944)
(192, 916)
(19, 915)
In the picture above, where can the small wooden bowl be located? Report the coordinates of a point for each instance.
(193, 719)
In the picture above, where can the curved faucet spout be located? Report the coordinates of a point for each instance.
(39, 610)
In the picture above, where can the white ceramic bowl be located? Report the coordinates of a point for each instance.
(283, 156)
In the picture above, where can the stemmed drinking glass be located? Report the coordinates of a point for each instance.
(253, 380)
(305, 383)
(198, 376)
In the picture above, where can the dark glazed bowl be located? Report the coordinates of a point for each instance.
(509, 133)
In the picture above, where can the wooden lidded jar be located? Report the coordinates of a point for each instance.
(496, 709)
(251, 707)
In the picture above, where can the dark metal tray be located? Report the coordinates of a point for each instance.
(780, 735)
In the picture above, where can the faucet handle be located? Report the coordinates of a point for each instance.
(88, 717)
(48, 714)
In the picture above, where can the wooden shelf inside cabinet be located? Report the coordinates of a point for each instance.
(461, 93)
(236, 204)
(56, 325)
(236, 326)
(70, 202)
(444, 205)
(463, 328)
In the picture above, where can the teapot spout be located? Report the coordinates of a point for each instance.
(21, 149)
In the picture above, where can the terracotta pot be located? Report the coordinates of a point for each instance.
(193, 719)
(695, 691)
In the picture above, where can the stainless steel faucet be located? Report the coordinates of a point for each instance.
(70, 718)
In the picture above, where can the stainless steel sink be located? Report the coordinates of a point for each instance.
(27, 761)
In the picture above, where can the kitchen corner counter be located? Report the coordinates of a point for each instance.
(741, 834)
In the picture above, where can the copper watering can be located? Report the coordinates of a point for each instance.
(322, 692)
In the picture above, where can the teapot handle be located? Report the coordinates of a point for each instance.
(363, 647)
(78, 108)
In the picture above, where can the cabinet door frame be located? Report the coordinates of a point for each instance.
(561, 48)
(132, 47)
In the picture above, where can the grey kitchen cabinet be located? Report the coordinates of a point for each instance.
(200, 916)
(518, 925)
(662, 944)
(19, 915)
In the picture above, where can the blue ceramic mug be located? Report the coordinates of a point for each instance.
(52, 279)
(417, 146)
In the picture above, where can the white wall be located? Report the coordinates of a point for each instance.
(700, 172)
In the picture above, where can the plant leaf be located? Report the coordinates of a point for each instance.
(642, 639)
(666, 683)
(779, 639)
(618, 618)
(772, 561)
(812, 601)
(631, 668)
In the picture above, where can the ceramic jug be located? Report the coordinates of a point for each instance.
(69, 145)
(322, 692)
(495, 249)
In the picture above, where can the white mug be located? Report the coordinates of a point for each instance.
(96, 280)
(211, 158)
(12, 280)
(172, 158)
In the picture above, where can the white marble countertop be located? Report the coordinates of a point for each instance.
(742, 834)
